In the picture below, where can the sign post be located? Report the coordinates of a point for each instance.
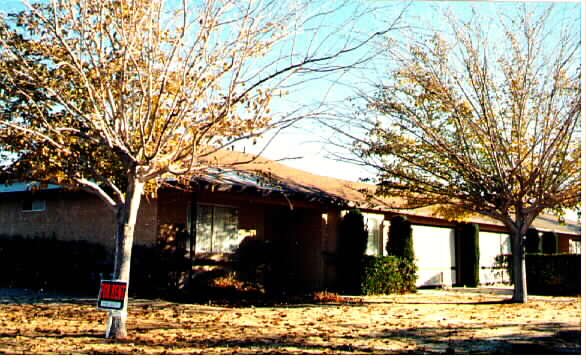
(112, 295)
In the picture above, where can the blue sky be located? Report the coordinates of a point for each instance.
(306, 139)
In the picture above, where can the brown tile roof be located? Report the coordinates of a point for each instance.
(340, 191)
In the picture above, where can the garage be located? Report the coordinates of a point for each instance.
(492, 245)
(435, 255)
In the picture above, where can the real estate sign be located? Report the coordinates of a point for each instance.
(112, 294)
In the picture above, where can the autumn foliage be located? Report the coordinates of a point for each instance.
(117, 97)
(477, 121)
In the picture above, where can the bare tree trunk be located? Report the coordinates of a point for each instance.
(519, 272)
(125, 222)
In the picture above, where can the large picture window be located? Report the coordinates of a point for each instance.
(216, 229)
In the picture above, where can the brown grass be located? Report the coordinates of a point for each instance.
(428, 322)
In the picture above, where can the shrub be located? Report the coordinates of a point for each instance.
(262, 264)
(351, 247)
(469, 242)
(252, 258)
(557, 274)
(400, 241)
(549, 242)
(553, 274)
(388, 275)
(43, 263)
(532, 241)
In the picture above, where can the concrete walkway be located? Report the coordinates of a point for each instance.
(501, 290)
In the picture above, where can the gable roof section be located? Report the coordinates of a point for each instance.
(234, 171)
(272, 176)
(262, 173)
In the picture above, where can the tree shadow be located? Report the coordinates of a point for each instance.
(545, 339)
(536, 339)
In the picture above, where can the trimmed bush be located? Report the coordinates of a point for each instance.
(77, 267)
(351, 247)
(549, 242)
(400, 241)
(261, 264)
(469, 241)
(532, 241)
(52, 265)
(388, 275)
(252, 259)
(557, 274)
(553, 274)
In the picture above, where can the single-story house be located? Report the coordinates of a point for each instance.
(267, 199)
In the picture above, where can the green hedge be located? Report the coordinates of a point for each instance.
(52, 265)
(557, 274)
(76, 267)
(351, 248)
(260, 262)
(388, 275)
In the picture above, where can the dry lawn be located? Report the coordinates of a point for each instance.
(428, 322)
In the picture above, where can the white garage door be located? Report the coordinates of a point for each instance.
(491, 246)
(435, 252)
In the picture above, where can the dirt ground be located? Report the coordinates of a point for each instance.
(428, 322)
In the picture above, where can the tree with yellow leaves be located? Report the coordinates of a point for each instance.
(113, 96)
(481, 119)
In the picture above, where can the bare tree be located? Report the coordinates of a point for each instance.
(483, 118)
(113, 96)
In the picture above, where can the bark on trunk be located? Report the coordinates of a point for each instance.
(125, 222)
(519, 273)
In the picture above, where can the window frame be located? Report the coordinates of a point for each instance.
(33, 208)
(214, 207)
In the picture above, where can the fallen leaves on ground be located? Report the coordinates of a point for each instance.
(428, 322)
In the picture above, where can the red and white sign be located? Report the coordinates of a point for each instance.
(112, 294)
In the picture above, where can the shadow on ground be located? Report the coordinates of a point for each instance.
(428, 340)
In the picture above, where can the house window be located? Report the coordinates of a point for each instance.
(574, 246)
(34, 205)
(216, 229)
(374, 239)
